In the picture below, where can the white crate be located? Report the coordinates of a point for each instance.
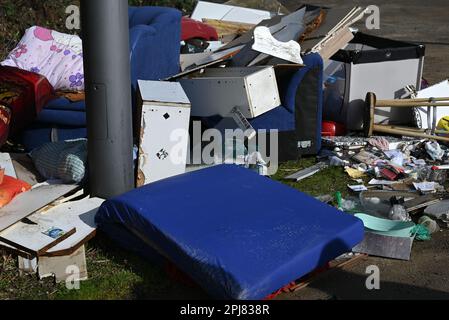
(216, 91)
(165, 112)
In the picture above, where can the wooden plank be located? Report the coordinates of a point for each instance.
(74, 216)
(81, 215)
(225, 28)
(208, 10)
(335, 18)
(57, 266)
(406, 104)
(417, 101)
(423, 205)
(30, 238)
(29, 202)
(336, 42)
(14, 251)
(336, 266)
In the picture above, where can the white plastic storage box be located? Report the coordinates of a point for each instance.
(371, 64)
(216, 91)
(164, 131)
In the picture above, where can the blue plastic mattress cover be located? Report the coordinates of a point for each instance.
(237, 234)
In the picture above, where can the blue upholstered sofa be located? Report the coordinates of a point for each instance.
(299, 118)
(155, 36)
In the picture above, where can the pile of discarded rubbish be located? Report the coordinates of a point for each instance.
(303, 75)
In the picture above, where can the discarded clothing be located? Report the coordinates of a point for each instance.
(380, 143)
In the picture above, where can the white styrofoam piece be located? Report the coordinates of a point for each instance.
(162, 92)
(265, 42)
(208, 10)
(6, 163)
(218, 90)
(440, 90)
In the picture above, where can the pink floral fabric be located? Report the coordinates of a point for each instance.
(57, 56)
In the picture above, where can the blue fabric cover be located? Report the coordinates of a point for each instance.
(237, 234)
(38, 136)
(62, 117)
(154, 40)
(65, 104)
(155, 37)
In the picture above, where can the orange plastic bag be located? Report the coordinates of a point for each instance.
(10, 188)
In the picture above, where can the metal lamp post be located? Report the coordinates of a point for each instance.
(108, 96)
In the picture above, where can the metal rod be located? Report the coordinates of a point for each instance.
(108, 96)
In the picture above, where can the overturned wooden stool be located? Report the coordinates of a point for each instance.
(371, 103)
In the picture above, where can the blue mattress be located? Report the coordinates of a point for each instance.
(237, 234)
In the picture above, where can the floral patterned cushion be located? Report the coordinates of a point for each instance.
(57, 56)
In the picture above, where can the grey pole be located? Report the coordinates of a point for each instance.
(108, 96)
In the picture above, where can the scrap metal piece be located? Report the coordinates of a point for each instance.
(385, 246)
(303, 174)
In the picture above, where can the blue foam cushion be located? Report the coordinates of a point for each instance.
(35, 137)
(62, 118)
(65, 104)
(237, 234)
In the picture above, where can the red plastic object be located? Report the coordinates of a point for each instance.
(192, 29)
(332, 129)
(389, 174)
(25, 94)
(178, 276)
(291, 287)
(11, 187)
(5, 120)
